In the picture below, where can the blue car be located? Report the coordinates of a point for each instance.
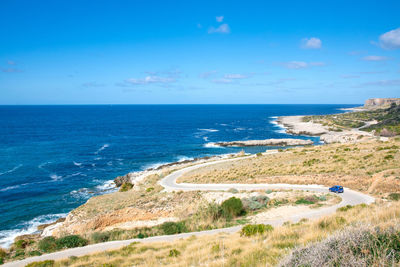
(336, 189)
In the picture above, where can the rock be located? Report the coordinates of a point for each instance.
(120, 180)
(41, 227)
(267, 142)
(373, 102)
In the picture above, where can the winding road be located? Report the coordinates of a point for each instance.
(349, 197)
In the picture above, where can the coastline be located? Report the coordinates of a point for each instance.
(289, 126)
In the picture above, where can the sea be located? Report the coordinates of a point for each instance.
(54, 158)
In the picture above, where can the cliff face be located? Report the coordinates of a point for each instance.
(381, 102)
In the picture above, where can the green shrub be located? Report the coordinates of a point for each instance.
(305, 201)
(19, 252)
(387, 157)
(232, 207)
(126, 187)
(48, 263)
(1, 260)
(255, 202)
(21, 243)
(71, 241)
(99, 237)
(171, 228)
(47, 244)
(34, 253)
(254, 229)
(149, 189)
(394, 196)
(259, 154)
(3, 253)
(345, 208)
(174, 253)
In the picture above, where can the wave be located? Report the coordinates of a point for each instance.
(205, 138)
(209, 130)
(9, 188)
(106, 186)
(77, 163)
(281, 129)
(183, 158)
(12, 170)
(211, 145)
(101, 148)
(7, 236)
(55, 177)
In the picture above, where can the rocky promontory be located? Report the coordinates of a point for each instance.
(266, 142)
(378, 102)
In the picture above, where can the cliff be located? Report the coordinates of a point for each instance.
(381, 102)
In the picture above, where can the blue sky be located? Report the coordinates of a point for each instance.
(140, 52)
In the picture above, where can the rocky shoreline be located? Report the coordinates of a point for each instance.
(266, 142)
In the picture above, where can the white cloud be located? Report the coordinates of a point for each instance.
(317, 64)
(223, 28)
(311, 43)
(207, 74)
(222, 80)
(296, 65)
(391, 39)
(219, 18)
(150, 80)
(374, 58)
(235, 76)
(11, 70)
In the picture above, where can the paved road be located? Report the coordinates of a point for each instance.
(349, 197)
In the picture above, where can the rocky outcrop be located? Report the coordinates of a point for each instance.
(267, 142)
(120, 180)
(377, 102)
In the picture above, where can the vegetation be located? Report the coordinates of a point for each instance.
(363, 166)
(388, 120)
(255, 229)
(267, 249)
(48, 263)
(231, 208)
(125, 187)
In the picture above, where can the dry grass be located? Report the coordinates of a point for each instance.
(372, 167)
(234, 250)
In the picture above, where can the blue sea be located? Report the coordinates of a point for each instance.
(54, 158)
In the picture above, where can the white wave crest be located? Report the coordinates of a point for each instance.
(101, 148)
(77, 163)
(55, 177)
(211, 145)
(29, 227)
(209, 130)
(12, 170)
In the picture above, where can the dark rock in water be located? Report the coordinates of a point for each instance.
(120, 180)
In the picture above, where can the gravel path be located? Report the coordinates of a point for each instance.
(349, 197)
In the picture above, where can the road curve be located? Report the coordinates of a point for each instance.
(349, 197)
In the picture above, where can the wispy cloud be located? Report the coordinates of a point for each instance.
(390, 39)
(219, 18)
(375, 58)
(222, 80)
(235, 76)
(302, 64)
(93, 84)
(382, 83)
(223, 28)
(151, 79)
(11, 70)
(350, 76)
(311, 43)
(11, 62)
(207, 74)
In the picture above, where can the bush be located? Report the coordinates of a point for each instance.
(259, 154)
(126, 187)
(174, 253)
(233, 191)
(19, 252)
(345, 208)
(305, 201)
(1, 260)
(48, 263)
(47, 244)
(254, 229)
(171, 228)
(34, 253)
(71, 241)
(21, 243)
(232, 207)
(394, 196)
(99, 237)
(255, 202)
(149, 189)
(3, 253)
(353, 247)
